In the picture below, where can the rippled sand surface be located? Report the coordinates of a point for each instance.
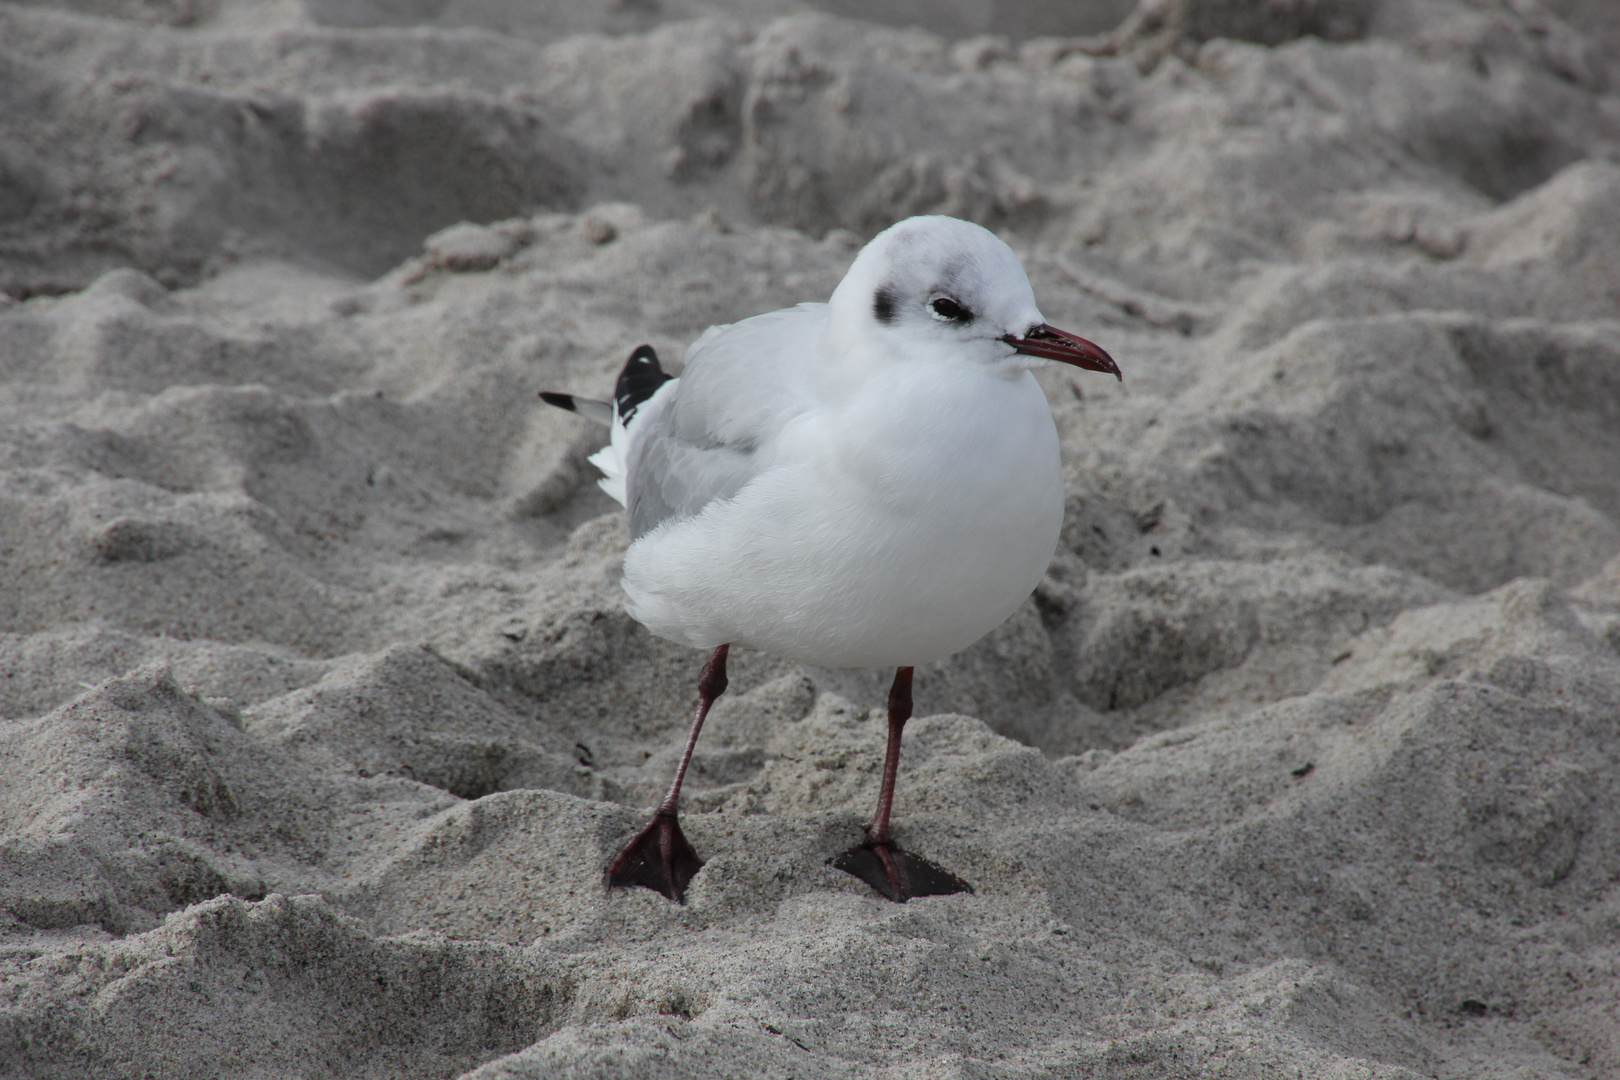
(322, 712)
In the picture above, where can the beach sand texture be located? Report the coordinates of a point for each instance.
(323, 715)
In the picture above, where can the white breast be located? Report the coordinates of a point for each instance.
(895, 529)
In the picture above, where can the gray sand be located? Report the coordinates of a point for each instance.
(323, 714)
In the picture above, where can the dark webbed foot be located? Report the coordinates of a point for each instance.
(658, 858)
(898, 875)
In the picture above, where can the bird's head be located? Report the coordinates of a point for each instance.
(938, 286)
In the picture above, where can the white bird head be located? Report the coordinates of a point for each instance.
(929, 286)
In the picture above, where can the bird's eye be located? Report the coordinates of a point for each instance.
(946, 308)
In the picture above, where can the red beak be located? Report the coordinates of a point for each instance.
(1050, 343)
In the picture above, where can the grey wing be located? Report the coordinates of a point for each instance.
(671, 478)
(704, 436)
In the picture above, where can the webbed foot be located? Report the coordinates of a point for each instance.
(898, 875)
(658, 858)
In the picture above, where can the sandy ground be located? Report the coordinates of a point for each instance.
(323, 714)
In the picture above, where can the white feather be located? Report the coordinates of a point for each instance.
(610, 460)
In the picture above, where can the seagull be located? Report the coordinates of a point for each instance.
(873, 482)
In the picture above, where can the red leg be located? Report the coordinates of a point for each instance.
(658, 857)
(899, 713)
(898, 875)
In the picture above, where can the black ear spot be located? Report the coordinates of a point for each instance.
(883, 305)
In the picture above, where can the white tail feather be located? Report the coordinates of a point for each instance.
(610, 460)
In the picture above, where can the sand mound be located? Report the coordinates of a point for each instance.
(322, 713)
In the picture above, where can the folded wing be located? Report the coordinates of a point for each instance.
(702, 437)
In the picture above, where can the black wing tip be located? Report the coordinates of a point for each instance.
(562, 401)
(641, 379)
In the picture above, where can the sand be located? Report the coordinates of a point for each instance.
(323, 715)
